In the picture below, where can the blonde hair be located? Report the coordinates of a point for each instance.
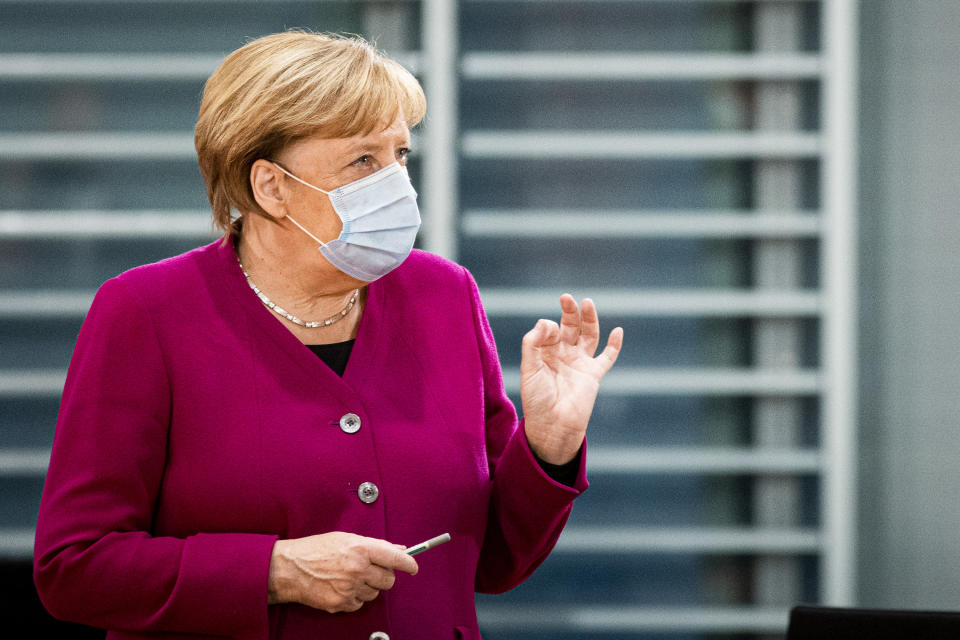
(284, 87)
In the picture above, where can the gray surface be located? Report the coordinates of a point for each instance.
(910, 548)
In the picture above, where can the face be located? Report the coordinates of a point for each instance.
(329, 163)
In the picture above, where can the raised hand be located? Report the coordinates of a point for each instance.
(560, 377)
(335, 571)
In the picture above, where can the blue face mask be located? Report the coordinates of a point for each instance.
(380, 223)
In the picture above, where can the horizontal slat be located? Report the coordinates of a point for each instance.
(140, 145)
(574, 617)
(475, 144)
(87, 224)
(607, 460)
(32, 383)
(638, 302)
(541, 223)
(709, 460)
(16, 544)
(688, 540)
(127, 67)
(518, 302)
(85, 66)
(19, 542)
(549, 144)
(595, 66)
(626, 381)
(44, 303)
(575, 1)
(620, 381)
(24, 462)
(97, 146)
(476, 223)
(176, 2)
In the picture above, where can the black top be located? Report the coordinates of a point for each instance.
(336, 356)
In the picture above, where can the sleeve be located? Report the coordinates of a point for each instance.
(565, 473)
(95, 561)
(528, 508)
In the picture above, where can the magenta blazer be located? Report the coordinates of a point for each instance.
(195, 430)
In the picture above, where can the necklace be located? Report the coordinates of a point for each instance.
(340, 315)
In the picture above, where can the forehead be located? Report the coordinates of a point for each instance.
(385, 137)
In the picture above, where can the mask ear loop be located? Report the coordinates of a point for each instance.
(315, 238)
(305, 183)
(300, 180)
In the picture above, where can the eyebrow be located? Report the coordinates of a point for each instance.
(366, 147)
(361, 149)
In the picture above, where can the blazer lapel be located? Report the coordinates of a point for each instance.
(266, 325)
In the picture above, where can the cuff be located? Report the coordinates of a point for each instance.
(223, 583)
(565, 474)
(518, 451)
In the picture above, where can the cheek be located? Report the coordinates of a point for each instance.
(318, 215)
(333, 225)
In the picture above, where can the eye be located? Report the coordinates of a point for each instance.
(402, 154)
(362, 161)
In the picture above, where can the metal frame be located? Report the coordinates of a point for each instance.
(441, 65)
(440, 166)
(839, 336)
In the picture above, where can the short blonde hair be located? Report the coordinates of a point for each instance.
(284, 87)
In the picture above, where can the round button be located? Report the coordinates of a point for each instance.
(368, 492)
(350, 423)
(379, 635)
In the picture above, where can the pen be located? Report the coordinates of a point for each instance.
(429, 544)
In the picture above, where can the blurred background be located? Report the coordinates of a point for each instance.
(763, 193)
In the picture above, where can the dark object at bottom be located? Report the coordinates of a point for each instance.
(21, 608)
(829, 623)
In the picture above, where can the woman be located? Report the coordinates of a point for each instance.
(251, 432)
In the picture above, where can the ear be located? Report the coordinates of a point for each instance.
(266, 184)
